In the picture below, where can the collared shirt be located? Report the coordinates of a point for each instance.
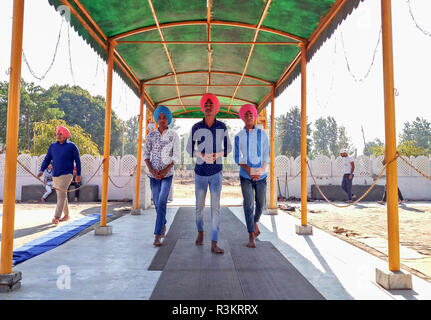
(251, 148)
(63, 156)
(209, 140)
(162, 149)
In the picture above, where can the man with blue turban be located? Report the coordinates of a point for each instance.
(161, 153)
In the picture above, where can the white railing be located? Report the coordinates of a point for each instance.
(327, 170)
(120, 169)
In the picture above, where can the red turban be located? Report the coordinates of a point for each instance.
(64, 131)
(245, 108)
(213, 99)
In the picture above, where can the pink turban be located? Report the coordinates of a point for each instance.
(64, 131)
(214, 100)
(245, 108)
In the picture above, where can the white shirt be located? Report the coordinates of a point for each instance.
(162, 149)
(347, 164)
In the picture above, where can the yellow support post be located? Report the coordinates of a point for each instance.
(303, 135)
(12, 139)
(107, 142)
(148, 119)
(139, 155)
(390, 138)
(272, 153)
(262, 119)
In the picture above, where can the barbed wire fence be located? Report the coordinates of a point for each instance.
(425, 32)
(349, 68)
(44, 74)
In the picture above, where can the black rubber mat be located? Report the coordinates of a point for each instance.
(192, 272)
(184, 227)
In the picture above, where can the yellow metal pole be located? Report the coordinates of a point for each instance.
(107, 142)
(139, 155)
(303, 135)
(272, 152)
(12, 139)
(390, 138)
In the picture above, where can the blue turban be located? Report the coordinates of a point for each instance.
(165, 111)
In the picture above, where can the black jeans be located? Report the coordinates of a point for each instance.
(400, 196)
(346, 185)
(76, 185)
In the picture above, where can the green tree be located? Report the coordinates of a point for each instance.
(89, 113)
(288, 133)
(45, 136)
(406, 148)
(329, 138)
(131, 135)
(411, 148)
(419, 131)
(370, 146)
(35, 105)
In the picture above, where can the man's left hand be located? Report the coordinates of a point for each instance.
(78, 178)
(350, 177)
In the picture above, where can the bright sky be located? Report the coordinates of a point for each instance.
(332, 89)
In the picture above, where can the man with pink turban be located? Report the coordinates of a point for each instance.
(209, 143)
(64, 155)
(251, 153)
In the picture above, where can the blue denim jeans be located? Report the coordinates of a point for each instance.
(160, 190)
(253, 192)
(214, 183)
(346, 185)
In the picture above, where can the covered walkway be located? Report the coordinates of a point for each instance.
(126, 266)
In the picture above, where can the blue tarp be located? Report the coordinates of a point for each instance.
(54, 238)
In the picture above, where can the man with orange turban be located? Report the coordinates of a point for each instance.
(251, 153)
(64, 155)
(210, 138)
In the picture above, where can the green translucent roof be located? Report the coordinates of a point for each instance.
(142, 60)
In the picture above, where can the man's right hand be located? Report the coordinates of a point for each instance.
(39, 174)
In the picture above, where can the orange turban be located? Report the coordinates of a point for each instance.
(64, 131)
(245, 108)
(214, 100)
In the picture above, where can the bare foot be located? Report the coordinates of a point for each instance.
(55, 221)
(216, 249)
(251, 242)
(65, 218)
(42, 200)
(256, 230)
(157, 242)
(200, 239)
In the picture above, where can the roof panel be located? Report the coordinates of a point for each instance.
(186, 20)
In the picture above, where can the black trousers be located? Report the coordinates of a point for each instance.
(400, 196)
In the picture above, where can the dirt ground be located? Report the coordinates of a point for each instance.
(365, 225)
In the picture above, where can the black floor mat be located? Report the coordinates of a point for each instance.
(192, 272)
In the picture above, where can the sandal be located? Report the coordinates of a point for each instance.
(55, 221)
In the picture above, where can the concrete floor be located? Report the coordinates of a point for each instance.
(115, 267)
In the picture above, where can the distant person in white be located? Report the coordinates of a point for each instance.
(349, 168)
(47, 178)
